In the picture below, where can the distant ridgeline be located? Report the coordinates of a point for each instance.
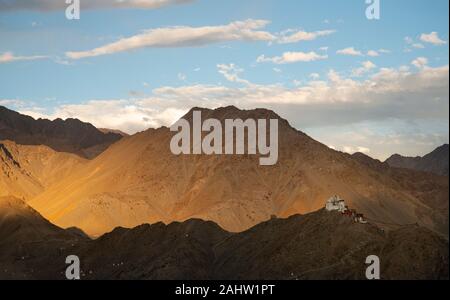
(69, 135)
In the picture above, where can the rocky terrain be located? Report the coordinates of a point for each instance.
(319, 245)
(216, 217)
(138, 180)
(27, 171)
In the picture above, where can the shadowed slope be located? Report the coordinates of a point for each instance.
(435, 162)
(319, 245)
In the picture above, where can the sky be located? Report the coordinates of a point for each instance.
(355, 84)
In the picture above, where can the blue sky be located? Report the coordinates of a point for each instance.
(314, 66)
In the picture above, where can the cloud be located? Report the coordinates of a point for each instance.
(432, 38)
(376, 53)
(383, 139)
(123, 114)
(350, 51)
(12, 102)
(8, 57)
(389, 94)
(320, 107)
(418, 46)
(351, 149)
(183, 36)
(292, 57)
(366, 67)
(52, 5)
(420, 62)
(293, 36)
(231, 73)
(182, 76)
(314, 76)
(408, 40)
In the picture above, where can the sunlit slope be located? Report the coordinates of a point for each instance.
(26, 171)
(138, 180)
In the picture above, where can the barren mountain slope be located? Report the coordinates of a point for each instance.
(26, 171)
(29, 244)
(69, 135)
(138, 180)
(319, 245)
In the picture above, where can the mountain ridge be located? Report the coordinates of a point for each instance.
(436, 162)
(138, 180)
(70, 135)
(317, 245)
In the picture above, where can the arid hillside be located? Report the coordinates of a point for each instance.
(138, 180)
(27, 171)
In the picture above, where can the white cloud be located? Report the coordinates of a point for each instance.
(352, 150)
(314, 76)
(52, 5)
(420, 62)
(183, 36)
(366, 67)
(127, 115)
(350, 51)
(181, 76)
(432, 38)
(390, 94)
(231, 73)
(292, 57)
(376, 53)
(296, 82)
(11, 102)
(409, 40)
(418, 46)
(8, 57)
(294, 36)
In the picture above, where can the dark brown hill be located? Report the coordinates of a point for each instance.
(319, 245)
(69, 135)
(434, 162)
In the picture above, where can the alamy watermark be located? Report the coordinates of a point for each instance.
(73, 270)
(73, 9)
(373, 270)
(373, 9)
(212, 143)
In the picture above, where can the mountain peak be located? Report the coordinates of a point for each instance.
(233, 112)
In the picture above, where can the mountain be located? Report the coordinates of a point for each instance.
(69, 135)
(29, 243)
(26, 171)
(435, 162)
(115, 131)
(138, 180)
(318, 245)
